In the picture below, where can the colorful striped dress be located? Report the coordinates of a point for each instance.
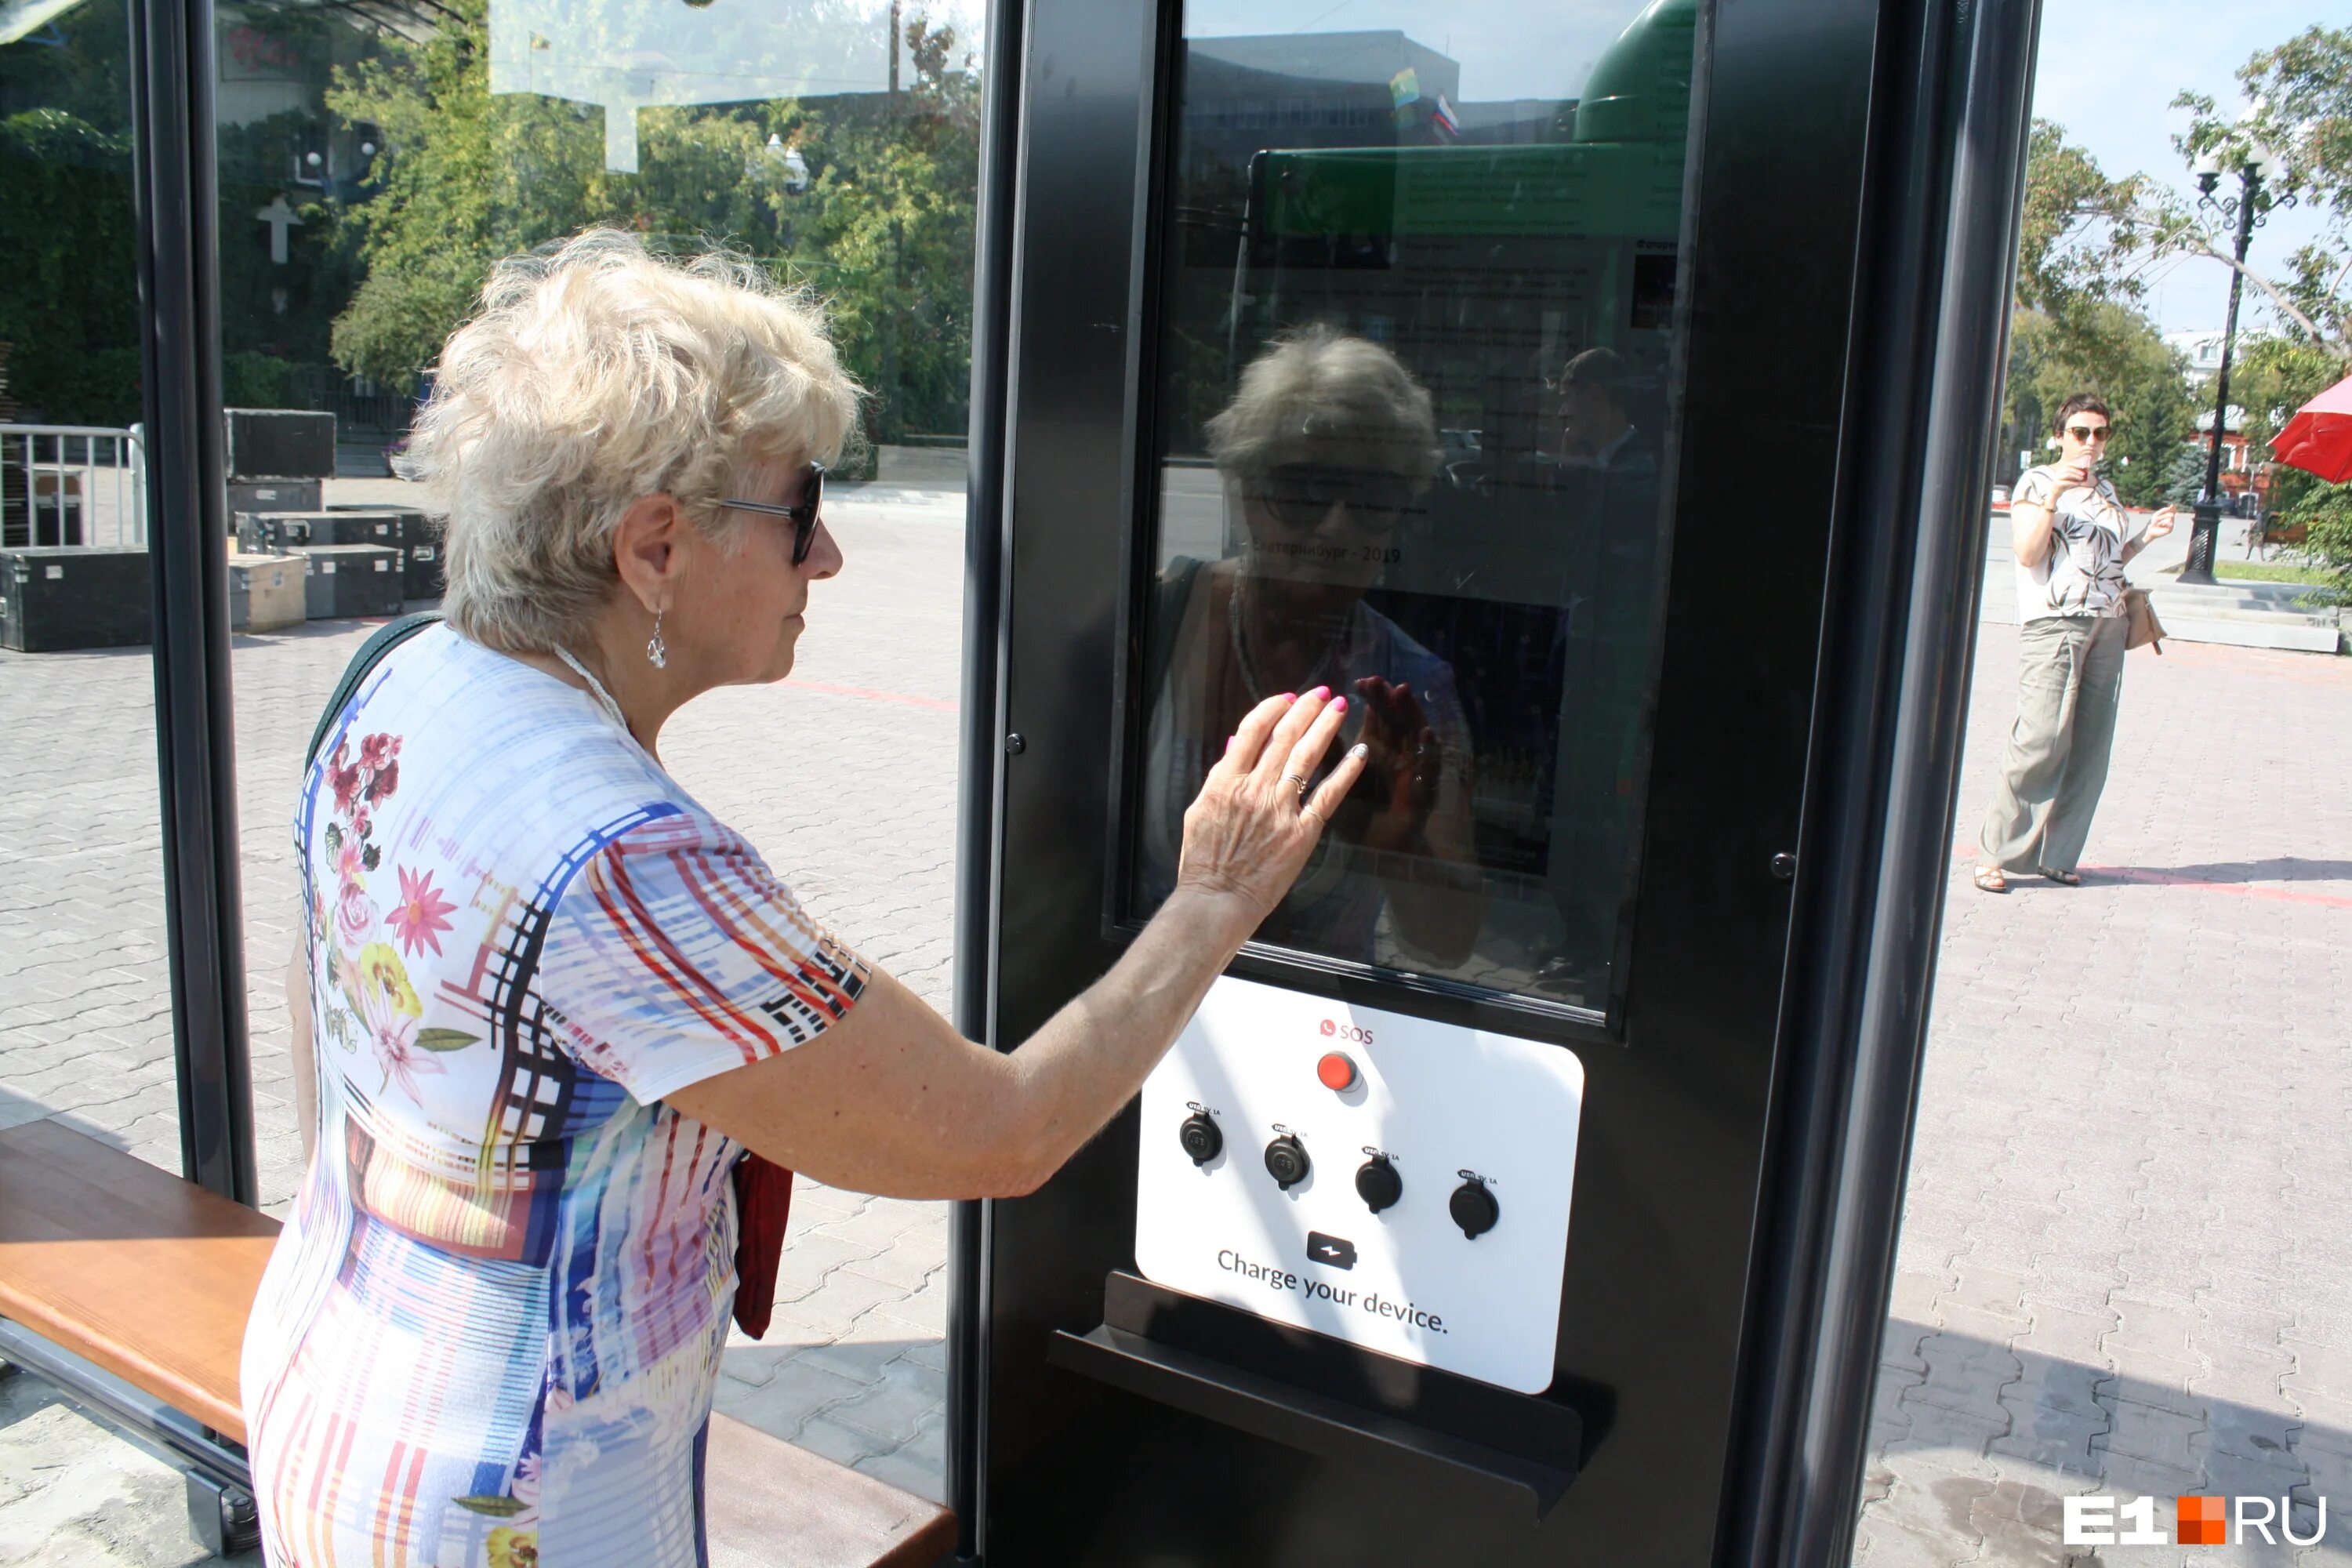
(490, 1333)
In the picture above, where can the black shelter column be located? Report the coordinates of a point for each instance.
(177, 198)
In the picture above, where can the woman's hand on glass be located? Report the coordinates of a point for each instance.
(1405, 759)
(1248, 833)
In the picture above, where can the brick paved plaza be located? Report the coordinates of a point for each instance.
(2125, 1246)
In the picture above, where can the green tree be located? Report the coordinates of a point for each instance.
(2184, 481)
(2324, 513)
(884, 230)
(2065, 270)
(68, 244)
(2302, 97)
(2113, 351)
(69, 293)
(2275, 376)
(467, 178)
(2091, 236)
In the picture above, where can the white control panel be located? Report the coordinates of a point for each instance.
(1394, 1182)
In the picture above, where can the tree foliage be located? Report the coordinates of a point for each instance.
(2301, 94)
(2110, 349)
(884, 231)
(69, 292)
(2090, 237)
(888, 234)
(467, 178)
(2066, 264)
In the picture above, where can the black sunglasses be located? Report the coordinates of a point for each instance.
(2087, 434)
(1301, 495)
(803, 512)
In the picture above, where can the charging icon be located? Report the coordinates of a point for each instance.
(1332, 1251)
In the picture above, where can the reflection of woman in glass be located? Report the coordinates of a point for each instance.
(1327, 444)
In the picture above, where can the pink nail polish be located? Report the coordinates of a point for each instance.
(1229, 744)
(1321, 692)
(1290, 696)
(1340, 705)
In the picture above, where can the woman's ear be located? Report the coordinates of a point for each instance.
(648, 551)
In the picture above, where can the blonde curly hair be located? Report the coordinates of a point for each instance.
(1316, 384)
(595, 376)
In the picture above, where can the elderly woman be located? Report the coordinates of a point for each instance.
(1325, 449)
(547, 1003)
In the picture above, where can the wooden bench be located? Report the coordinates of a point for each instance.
(148, 1278)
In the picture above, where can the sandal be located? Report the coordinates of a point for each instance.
(1990, 880)
(2064, 878)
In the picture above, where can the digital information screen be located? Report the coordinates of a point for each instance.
(1416, 389)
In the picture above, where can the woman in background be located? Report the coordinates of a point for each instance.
(2072, 539)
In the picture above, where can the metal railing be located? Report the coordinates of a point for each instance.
(71, 484)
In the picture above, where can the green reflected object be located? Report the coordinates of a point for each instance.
(1640, 88)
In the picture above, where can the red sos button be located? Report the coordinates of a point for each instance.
(1335, 1070)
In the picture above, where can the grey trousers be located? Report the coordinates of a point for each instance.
(2070, 677)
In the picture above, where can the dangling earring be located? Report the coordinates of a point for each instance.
(657, 650)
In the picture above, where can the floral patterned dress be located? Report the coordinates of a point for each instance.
(490, 1330)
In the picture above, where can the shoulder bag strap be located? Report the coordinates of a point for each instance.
(389, 636)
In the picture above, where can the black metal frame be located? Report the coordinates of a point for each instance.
(1946, 126)
(176, 197)
(1862, 165)
(1948, 184)
(178, 200)
(985, 739)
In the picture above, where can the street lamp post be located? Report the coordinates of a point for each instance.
(2249, 208)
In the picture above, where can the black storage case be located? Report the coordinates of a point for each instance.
(349, 580)
(271, 532)
(422, 574)
(56, 599)
(273, 495)
(281, 444)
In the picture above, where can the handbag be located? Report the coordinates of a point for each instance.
(763, 1189)
(2142, 628)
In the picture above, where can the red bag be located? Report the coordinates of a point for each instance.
(764, 1201)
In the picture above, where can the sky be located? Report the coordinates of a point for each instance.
(2107, 68)
(2107, 71)
(1507, 48)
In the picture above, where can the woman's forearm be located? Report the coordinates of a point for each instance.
(1091, 1057)
(891, 1099)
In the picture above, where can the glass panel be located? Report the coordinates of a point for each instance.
(1416, 386)
(375, 161)
(85, 994)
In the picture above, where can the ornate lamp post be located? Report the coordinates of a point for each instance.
(2248, 209)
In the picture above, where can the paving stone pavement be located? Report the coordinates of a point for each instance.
(845, 777)
(2124, 1253)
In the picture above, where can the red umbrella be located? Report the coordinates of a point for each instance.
(2319, 437)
